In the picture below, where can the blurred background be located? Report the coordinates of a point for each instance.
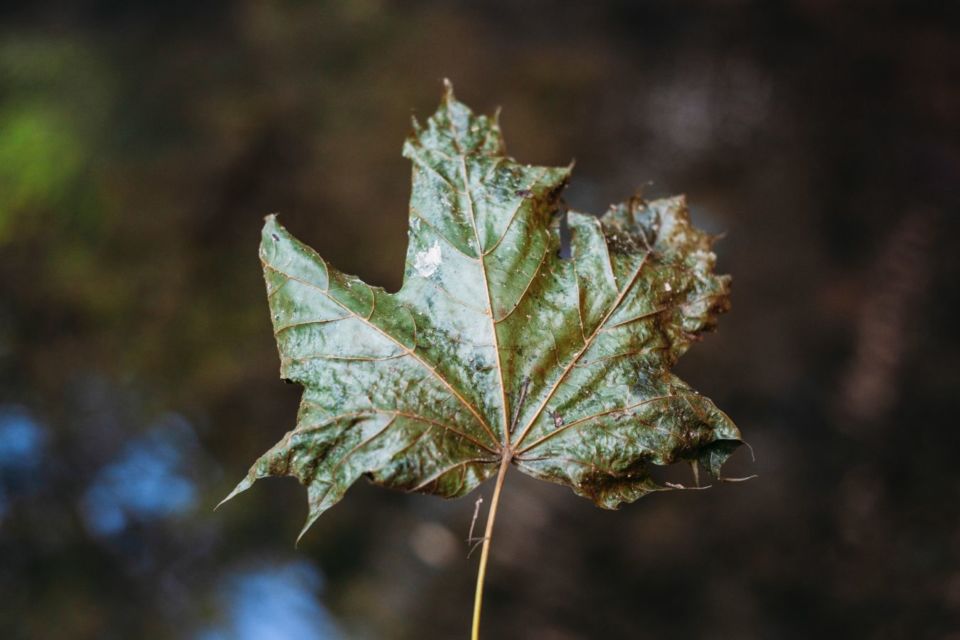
(141, 144)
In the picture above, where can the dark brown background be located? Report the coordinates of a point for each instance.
(142, 143)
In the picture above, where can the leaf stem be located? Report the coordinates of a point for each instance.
(485, 551)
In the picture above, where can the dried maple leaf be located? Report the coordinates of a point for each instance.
(496, 351)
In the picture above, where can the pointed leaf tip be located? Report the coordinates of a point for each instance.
(743, 479)
(679, 486)
(242, 486)
(303, 532)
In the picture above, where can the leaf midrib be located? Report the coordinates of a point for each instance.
(505, 446)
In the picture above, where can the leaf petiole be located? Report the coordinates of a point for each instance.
(485, 551)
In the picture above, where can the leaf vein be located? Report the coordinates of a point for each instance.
(569, 367)
(423, 362)
(580, 421)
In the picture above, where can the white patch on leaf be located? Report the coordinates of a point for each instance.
(427, 262)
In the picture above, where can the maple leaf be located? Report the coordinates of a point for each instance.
(496, 351)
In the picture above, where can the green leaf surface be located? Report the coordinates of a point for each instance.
(496, 347)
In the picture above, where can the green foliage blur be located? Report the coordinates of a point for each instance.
(141, 145)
